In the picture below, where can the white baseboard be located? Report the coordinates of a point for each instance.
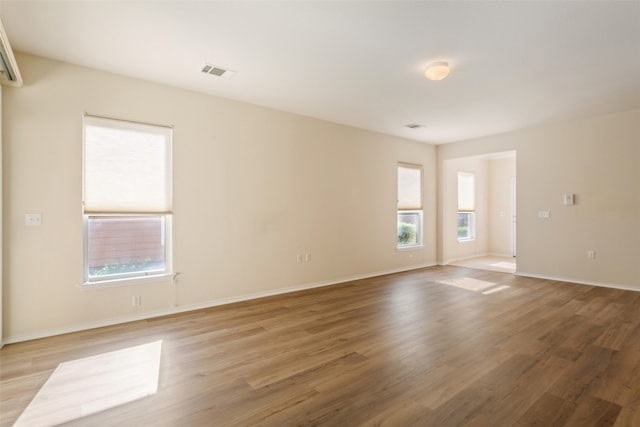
(578, 281)
(202, 305)
(500, 255)
(450, 261)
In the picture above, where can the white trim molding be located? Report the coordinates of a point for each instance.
(579, 281)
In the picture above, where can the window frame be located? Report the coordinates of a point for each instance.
(123, 277)
(166, 215)
(471, 233)
(469, 209)
(412, 210)
(419, 228)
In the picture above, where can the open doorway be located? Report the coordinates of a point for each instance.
(480, 212)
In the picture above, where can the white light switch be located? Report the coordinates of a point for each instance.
(543, 214)
(33, 219)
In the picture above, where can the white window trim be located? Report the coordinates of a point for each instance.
(135, 277)
(470, 209)
(420, 212)
(108, 283)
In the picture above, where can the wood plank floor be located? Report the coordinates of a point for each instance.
(442, 346)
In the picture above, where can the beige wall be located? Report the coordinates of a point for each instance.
(598, 160)
(252, 188)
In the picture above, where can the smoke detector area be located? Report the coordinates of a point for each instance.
(218, 71)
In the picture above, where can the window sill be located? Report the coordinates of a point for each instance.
(466, 240)
(127, 281)
(409, 248)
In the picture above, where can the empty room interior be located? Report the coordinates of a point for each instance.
(318, 213)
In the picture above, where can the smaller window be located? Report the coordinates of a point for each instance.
(466, 225)
(466, 206)
(409, 214)
(409, 228)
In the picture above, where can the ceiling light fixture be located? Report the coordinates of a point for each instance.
(437, 71)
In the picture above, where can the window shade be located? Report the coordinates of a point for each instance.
(127, 167)
(466, 192)
(409, 187)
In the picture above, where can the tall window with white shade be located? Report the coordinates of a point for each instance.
(409, 205)
(466, 206)
(126, 199)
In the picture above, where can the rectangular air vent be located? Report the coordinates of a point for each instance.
(414, 126)
(215, 70)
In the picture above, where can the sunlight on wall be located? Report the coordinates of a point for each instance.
(85, 386)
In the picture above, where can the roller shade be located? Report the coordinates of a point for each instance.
(409, 187)
(466, 192)
(126, 167)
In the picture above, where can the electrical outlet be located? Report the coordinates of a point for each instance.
(299, 258)
(136, 300)
(33, 219)
(307, 257)
(591, 255)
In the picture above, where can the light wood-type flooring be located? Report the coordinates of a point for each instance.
(441, 346)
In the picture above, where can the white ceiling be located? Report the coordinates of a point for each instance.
(514, 64)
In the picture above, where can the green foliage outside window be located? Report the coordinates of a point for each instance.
(406, 233)
(134, 265)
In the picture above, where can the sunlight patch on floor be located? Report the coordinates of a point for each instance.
(475, 285)
(506, 265)
(85, 386)
(490, 263)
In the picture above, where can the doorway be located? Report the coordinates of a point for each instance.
(493, 246)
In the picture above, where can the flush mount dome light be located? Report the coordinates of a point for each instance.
(437, 71)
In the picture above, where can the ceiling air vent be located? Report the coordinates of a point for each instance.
(214, 70)
(9, 73)
(414, 126)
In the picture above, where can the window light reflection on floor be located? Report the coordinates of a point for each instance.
(505, 265)
(85, 386)
(475, 285)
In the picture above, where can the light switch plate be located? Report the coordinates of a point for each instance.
(543, 214)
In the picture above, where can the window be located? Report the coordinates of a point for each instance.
(409, 205)
(466, 206)
(126, 199)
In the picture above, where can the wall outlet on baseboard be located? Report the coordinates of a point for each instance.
(136, 301)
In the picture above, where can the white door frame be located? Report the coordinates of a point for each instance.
(513, 215)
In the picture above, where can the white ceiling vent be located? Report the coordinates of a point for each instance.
(214, 70)
(9, 73)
